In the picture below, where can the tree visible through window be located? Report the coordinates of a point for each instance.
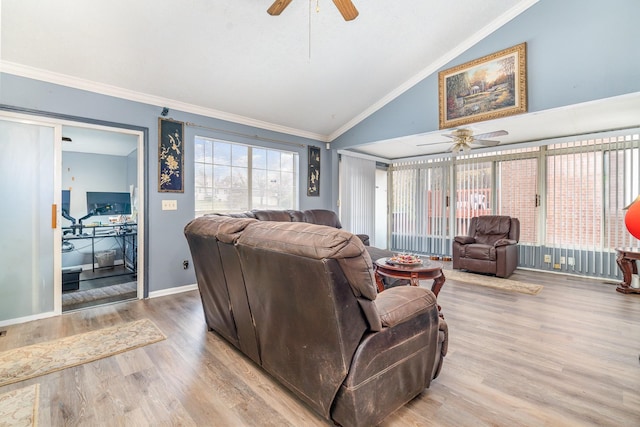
(233, 177)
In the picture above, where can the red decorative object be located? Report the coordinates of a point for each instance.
(632, 218)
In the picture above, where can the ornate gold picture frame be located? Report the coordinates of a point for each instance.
(487, 88)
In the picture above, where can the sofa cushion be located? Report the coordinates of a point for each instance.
(504, 242)
(224, 228)
(492, 228)
(322, 217)
(479, 251)
(318, 242)
(297, 216)
(465, 240)
(272, 215)
(399, 304)
(239, 215)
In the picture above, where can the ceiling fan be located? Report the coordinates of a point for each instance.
(346, 8)
(463, 138)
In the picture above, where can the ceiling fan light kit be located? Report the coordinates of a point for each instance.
(346, 8)
(463, 138)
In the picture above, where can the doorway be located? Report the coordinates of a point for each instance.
(31, 276)
(100, 209)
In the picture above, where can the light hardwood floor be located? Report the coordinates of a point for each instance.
(566, 357)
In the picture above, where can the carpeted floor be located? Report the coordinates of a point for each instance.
(19, 407)
(22, 363)
(493, 282)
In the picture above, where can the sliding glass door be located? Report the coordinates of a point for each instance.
(29, 255)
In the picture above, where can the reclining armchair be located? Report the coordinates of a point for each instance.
(490, 246)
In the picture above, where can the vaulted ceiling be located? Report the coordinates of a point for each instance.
(306, 72)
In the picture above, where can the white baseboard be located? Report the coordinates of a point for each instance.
(171, 291)
(27, 319)
(154, 294)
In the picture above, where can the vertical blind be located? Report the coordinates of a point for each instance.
(589, 182)
(420, 206)
(568, 196)
(357, 194)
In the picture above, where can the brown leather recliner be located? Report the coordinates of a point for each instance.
(300, 300)
(490, 246)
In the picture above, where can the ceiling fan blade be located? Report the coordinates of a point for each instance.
(486, 142)
(346, 8)
(433, 143)
(277, 7)
(491, 134)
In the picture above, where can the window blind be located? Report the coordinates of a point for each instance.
(569, 197)
(420, 207)
(357, 188)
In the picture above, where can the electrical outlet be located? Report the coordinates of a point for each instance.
(169, 205)
(185, 264)
(571, 261)
(547, 258)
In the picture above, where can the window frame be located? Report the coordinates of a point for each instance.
(208, 185)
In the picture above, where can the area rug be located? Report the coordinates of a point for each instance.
(493, 282)
(19, 408)
(39, 359)
(88, 295)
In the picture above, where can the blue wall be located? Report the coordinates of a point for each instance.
(167, 247)
(577, 51)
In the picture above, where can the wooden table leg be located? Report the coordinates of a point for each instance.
(379, 282)
(438, 282)
(628, 267)
(415, 279)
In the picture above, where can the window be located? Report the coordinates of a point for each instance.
(569, 197)
(232, 177)
(517, 191)
(357, 194)
(420, 206)
(473, 191)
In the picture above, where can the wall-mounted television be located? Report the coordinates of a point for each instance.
(107, 203)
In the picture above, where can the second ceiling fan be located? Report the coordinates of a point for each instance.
(463, 138)
(346, 8)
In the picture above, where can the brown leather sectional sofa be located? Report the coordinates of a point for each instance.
(300, 300)
(311, 216)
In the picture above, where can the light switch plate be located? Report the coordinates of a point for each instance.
(169, 205)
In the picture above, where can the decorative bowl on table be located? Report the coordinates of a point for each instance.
(405, 259)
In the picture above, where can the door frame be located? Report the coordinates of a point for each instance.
(141, 184)
(57, 121)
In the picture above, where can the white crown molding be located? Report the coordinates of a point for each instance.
(118, 92)
(461, 48)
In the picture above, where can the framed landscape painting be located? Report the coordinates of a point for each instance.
(487, 88)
